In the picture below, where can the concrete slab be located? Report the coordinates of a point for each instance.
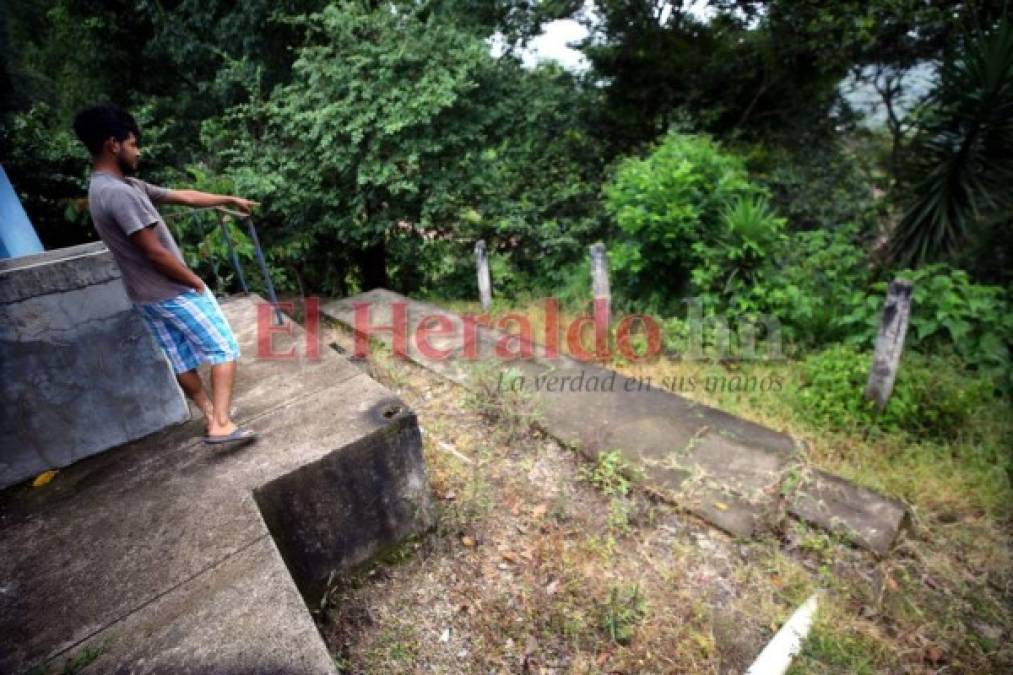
(79, 372)
(243, 615)
(722, 468)
(868, 518)
(152, 519)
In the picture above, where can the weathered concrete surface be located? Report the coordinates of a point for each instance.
(243, 615)
(727, 470)
(79, 371)
(868, 518)
(154, 536)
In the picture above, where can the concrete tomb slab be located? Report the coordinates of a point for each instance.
(79, 371)
(168, 555)
(725, 469)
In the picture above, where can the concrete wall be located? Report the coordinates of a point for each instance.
(79, 371)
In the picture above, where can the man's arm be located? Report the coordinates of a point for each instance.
(205, 199)
(168, 264)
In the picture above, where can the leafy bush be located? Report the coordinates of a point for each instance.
(932, 397)
(748, 234)
(822, 187)
(950, 314)
(806, 281)
(47, 168)
(815, 279)
(664, 204)
(695, 225)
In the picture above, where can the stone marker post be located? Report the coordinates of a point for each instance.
(600, 284)
(889, 342)
(484, 284)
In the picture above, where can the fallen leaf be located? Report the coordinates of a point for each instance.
(540, 510)
(467, 541)
(602, 659)
(44, 478)
(509, 557)
(721, 506)
(552, 587)
(933, 654)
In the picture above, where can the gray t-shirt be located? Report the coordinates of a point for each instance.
(119, 207)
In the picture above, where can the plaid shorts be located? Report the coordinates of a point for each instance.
(190, 329)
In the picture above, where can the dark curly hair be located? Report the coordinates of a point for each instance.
(95, 124)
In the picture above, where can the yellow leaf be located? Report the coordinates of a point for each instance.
(721, 506)
(44, 478)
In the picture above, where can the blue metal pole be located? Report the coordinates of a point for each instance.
(232, 252)
(17, 236)
(263, 270)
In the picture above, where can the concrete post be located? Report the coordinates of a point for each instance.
(79, 371)
(889, 342)
(600, 284)
(484, 284)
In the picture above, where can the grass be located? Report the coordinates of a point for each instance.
(945, 593)
(493, 395)
(76, 663)
(624, 610)
(940, 601)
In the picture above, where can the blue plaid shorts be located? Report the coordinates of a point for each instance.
(191, 329)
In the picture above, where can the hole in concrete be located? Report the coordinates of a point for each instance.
(338, 348)
(391, 410)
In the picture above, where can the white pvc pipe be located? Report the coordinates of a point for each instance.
(787, 642)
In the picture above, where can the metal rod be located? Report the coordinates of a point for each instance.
(235, 260)
(263, 270)
(221, 209)
(232, 252)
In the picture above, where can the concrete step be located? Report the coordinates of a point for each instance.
(174, 556)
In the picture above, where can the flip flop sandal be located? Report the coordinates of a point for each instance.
(240, 434)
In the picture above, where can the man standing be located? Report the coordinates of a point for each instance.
(180, 311)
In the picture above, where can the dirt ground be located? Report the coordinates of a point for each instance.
(543, 563)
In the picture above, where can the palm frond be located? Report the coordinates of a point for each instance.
(963, 151)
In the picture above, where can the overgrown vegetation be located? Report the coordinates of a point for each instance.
(716, 155)
(931, 397)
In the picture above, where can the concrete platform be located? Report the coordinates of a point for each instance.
(73, 354)
(167, 555)
(722, 468)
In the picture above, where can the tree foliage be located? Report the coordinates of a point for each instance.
(963, 157)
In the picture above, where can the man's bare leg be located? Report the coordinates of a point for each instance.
(223, 375)
(193, 387)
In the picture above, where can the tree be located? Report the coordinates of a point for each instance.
(736, 72)
(963, 154)
(384, 122)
